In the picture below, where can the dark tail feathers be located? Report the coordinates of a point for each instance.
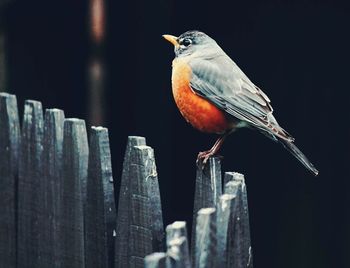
(299, 155)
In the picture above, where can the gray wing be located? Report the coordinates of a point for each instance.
(220, 81)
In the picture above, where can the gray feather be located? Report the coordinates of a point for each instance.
(220, 80)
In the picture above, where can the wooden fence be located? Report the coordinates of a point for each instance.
(57, 206)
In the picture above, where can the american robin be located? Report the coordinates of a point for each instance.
(215, 96)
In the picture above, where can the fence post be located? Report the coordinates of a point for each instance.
(123, 218)
(239, 248)
(29, 185)
(206, 243)
(208, 190)
(75, 164)
(9, 150)
(49, 243)
(156, 260)
(100, 208)
(139, 223)
(177, 244)
(224, 210)
(66, 211)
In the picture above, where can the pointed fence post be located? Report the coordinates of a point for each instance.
(177, 244)
(9, 151)
(206, 240)
(139, 223)
(123, 217)
(29, 185)
(50, 237)
(100, 218)
(75, 165)
(224, 212)
(208, 190)
(66, 211)
(176, 230)
(239, 247)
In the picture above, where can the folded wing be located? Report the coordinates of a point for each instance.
(220, 81)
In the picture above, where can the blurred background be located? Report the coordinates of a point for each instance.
(106, 62)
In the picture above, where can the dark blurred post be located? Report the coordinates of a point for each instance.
(3, 71)
(96, 68)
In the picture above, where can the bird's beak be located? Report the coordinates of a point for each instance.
(172, 39)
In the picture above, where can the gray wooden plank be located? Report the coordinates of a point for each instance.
(156, 260)
(206, 241)
(154, 202)
(123, 217)
(232, 187)
(233, 176)
(75, 165)
(139, 222)
(208, 190)
(140, 243)
(49, 243)
(176, 230)
(9, 150)
(146, 215)
(224, 210)
(100, 218)
(29, 185)
(177, 243)
(136, 262)
(178, 253)
(239, 244)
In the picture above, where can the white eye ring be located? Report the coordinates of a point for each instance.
(186, 42)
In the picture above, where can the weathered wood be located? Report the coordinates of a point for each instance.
(75, 165)
(176, 230)
(208, 190)
(224, 211)
(206, 240)
(9, 150)
(177, 244)
(154, 203)
(100, 218)
(233, 176)
(123, 217)
(156, 260)
(178, 253)
(66, 211)
(232, 187)
(239, 247)
(29, 185)
(144, 237)
(139, 223)
(49, 243)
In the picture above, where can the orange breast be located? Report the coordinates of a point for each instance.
(199, 112)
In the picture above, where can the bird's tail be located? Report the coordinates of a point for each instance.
(299, 155)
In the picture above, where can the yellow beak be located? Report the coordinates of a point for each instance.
(172, 39)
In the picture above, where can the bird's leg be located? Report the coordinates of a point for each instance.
(204, 156)
(210, 151)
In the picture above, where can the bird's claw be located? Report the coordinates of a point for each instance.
(203, 158)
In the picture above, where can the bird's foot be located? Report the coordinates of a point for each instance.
(203, 157)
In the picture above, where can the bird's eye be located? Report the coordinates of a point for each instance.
(186, 42)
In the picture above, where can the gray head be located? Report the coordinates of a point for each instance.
(193, 43)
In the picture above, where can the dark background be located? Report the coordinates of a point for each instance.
(296, 51)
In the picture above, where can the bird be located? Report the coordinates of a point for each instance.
(215, 96)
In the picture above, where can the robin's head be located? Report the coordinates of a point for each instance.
(192, 43)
